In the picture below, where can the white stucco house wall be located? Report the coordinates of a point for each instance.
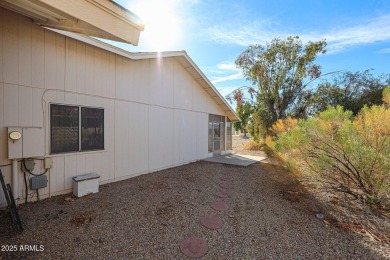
(92, 107)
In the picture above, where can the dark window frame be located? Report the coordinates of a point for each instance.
(97, 135)
(95, 121)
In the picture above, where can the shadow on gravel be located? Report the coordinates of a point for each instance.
(271, 216)
(300, 198)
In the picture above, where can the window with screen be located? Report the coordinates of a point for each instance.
(64, 128)
(92, 128)
(76, 128)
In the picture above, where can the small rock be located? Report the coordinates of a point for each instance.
(68, 199)
(320, 216)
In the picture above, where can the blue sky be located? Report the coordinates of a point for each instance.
(214, 32)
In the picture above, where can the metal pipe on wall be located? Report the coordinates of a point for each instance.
(15, 180)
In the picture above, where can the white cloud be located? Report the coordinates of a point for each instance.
(374, 30)
(227, 66)
(384, 51)
(222, 68)
(244, 35)
(228, 72)
(234, 76)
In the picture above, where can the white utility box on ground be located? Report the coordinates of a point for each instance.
(85, 184)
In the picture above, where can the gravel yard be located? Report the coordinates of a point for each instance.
(147, 217)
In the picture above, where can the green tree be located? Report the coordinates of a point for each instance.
(280, 72)
(350, 90)
(244, 111)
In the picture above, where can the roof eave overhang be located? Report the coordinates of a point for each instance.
(104, 19)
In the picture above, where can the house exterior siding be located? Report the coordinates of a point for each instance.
(156, 114)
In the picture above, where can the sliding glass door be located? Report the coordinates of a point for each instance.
(211, 135)
(216, 134)
(229, 132)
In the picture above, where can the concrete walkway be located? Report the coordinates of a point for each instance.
(236, 159)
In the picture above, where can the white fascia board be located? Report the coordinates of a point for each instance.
(212, 87)
(98, 18)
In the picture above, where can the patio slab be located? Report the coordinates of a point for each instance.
(236, 159)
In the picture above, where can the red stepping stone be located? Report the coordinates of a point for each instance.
(194, 247)
(220, 205)
(211, 222)
(227, 185)
(223, 194)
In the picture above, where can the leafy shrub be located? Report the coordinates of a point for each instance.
(255, 127)
(347, 155)
(279, 127)
(252, 146)
(284, 125)
(386, 96)
(269, 141)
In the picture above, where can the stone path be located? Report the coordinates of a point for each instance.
(197, 247)
(194, 247)
(211, 222)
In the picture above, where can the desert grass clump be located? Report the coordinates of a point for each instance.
(253, 146)
(345, 154)
(284, 125)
